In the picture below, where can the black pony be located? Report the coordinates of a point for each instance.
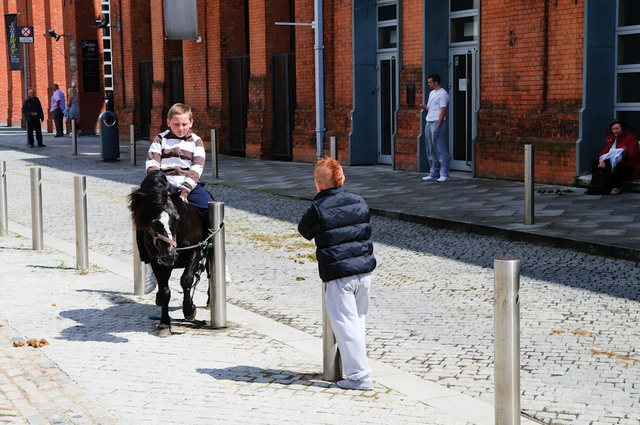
(173, 231)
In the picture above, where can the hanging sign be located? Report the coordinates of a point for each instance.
(11, 24)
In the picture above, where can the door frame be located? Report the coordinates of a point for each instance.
(471, 116)
(386, 159)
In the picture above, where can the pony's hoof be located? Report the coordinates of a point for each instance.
(164, 332)
(191, 316)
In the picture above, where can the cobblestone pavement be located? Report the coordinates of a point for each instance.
(431, 315)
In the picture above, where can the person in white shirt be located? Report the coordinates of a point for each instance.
(57, 106)
(436, 131)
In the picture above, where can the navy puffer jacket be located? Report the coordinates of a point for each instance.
(339, 222)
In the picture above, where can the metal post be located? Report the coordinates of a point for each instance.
(4, 216)
(528, 185)
(74, 137)
(139, 270)
(132, 143)
(36, 209)
(25, 68)
(82, 234)
(332, 146)
(507, 341)
(214, 154)
(319, 62)
(217, 281)
(331, 364)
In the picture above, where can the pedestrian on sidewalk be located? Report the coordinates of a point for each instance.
(180, 155)
(339, 222)
(72, 112)
(33, 115)
(620, 160)
(436, 131)
(57, 107)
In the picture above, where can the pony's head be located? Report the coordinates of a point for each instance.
(153, 211)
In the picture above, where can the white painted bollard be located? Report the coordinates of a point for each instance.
(82, 233)
(331, 364)
(507, 341)
(217, 280)
(4, 214)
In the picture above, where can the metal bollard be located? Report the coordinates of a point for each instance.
(74, 137)
(529, 206)
(36, 208)
(4, 214)
(332, 147)
(507, 341)
(139, 269)
(82, 233)
(132, 143)
(331, 364)
(217, 281)
(214, 154)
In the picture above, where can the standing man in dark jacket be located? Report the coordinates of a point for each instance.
(339, 222)
(33, 115)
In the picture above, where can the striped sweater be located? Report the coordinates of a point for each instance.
(180, 159)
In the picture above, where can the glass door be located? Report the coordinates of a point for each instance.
(461, 108)
(387, 100)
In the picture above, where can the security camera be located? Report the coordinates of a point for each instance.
(52, 33)
(101, 23)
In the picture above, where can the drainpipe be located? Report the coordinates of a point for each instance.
(318, 48)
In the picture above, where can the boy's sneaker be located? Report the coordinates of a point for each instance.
(150, 281)
(429, 177)
(442, 179)
(351, 384)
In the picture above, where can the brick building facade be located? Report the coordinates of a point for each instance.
(547, 73)
(50, 60)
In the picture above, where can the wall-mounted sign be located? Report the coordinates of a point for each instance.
(26, 34)
(90, 66)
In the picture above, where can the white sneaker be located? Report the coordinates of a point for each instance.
(442, 179)
(429, 177)
(150, 281)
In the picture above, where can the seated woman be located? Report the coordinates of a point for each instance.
(620, 158)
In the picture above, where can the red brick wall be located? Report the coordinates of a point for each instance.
(304, 137)
(51, 61)
(130, 46)
(531, 88)
(406, 140)
(9, 105)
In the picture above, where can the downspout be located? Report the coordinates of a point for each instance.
(545, 58)
(318, 48)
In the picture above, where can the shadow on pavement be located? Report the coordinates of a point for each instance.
(258, 375)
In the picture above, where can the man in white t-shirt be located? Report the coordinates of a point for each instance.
(436, 131)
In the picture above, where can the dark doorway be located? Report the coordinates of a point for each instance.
(238, 103)
(176, 81)
(145, 74)
(283, 68)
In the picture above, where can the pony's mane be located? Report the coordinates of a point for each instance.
(147, 202)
